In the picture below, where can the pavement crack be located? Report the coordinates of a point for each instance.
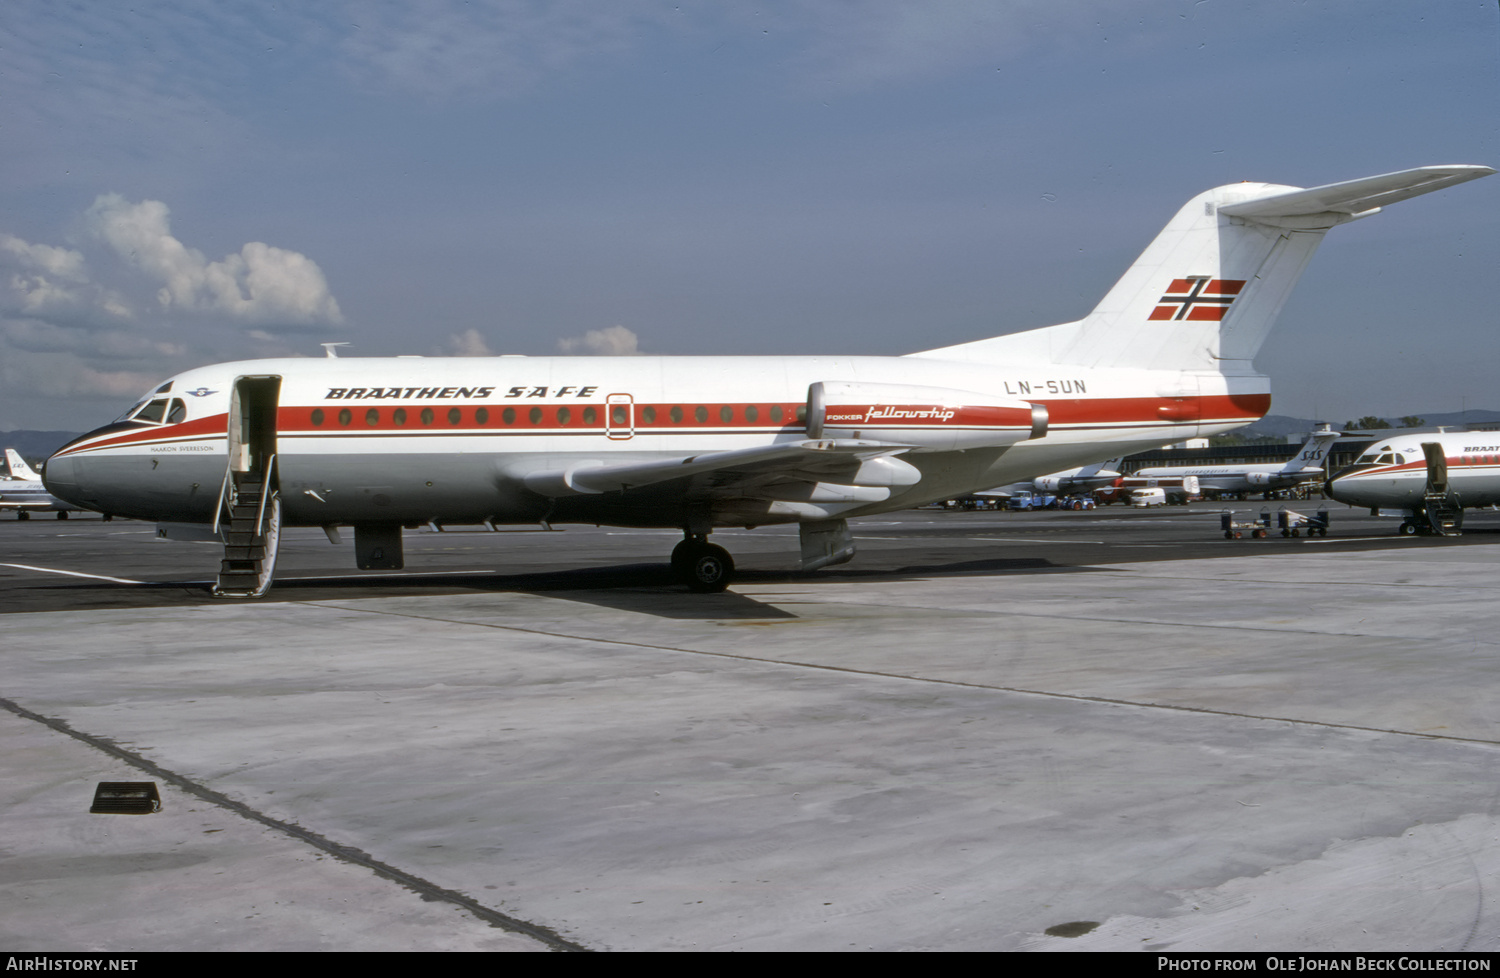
(1018, 690)
(426, 889)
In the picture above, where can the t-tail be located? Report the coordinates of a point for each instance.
(1314, 453)
(1206, 292)
(18, 467)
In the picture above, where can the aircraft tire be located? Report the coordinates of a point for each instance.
(1408, 528)
(705, 568)
(21, 514)
(62, 514)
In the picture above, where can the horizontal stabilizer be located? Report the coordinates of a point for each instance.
(1336, 203)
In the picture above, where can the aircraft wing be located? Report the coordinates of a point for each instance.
(847, 463)
(1353, 198)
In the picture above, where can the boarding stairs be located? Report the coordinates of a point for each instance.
(1445, 517)
(250, 523)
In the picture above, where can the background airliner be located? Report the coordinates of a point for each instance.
(1305, 466)
(695, 443)
(25, 493)
(1430, 479)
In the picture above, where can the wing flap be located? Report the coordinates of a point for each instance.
(852, 462)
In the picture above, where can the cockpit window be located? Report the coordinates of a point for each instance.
(1386, 459)
(177, 412)
(1367, 459)
(154, 412)
(163, 388)
(133, 408)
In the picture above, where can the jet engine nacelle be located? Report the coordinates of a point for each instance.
(1050, 484)
(1258, 478)
(930, 418)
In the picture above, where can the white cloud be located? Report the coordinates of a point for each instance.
(615, 341)
(44, 279)
(469, 343)
(261, 284)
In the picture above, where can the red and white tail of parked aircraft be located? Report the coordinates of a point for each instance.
(1428, 478)
(1305, 466)
(695, 443)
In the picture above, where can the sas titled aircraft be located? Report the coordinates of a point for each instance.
(1080, 478)
(1430, 479)
(1305, 466)
(25, 493)
(242, 449)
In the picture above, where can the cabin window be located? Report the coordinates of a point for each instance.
(701, 413)
(508, 415)
(345, 416)
(752, 413)
(454, 417)
(317, 417)
(536, 415)
(801, 412)
(482, 416)
(676, 414)
(564, 416)
(777, 415)
(726, 414)
(400, 416)
(649, 414)
(372, 417)
(427, 416)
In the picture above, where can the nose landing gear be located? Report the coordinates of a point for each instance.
(704, 567)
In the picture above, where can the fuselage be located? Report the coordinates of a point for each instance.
(27, 495)
(1393, 473)
(1235, 478)
(411, 440)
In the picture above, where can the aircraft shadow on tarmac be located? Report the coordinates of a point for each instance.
(642, 588)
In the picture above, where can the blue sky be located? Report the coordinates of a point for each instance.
(184, 183)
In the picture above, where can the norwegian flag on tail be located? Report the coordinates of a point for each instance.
(1200, 299)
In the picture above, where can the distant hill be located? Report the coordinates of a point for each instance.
(1280, 425)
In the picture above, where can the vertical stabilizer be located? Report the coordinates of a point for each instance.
(18, 467)
(1314, 452)
(1205, 293)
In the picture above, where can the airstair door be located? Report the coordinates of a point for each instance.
(1444, 514)
(250, 507)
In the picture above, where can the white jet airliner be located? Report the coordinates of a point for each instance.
(1305, 466)
(702, 442)
(1428, 478)
(25, 493)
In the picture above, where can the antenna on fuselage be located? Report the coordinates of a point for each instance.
(330, 349)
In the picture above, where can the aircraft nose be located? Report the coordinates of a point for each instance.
(61, 477)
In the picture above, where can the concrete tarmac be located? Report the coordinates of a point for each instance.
(1062, 731)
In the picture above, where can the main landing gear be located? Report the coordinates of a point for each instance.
(704, 567)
